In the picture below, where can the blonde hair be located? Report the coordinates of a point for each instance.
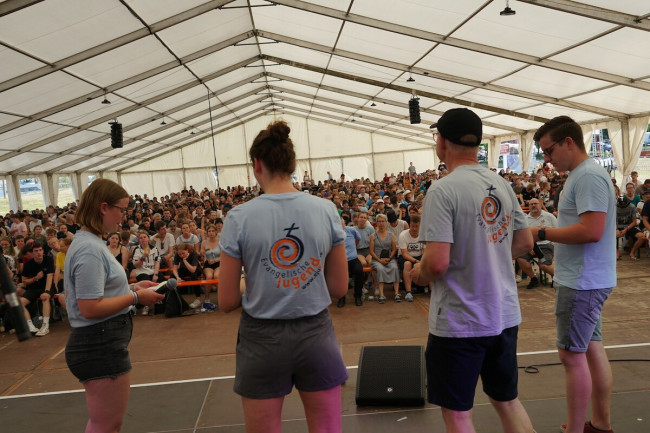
(100, 191)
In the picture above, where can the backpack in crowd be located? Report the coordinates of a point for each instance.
(175, 305)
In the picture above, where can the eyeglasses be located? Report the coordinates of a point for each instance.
(122, 209)
(549, 150)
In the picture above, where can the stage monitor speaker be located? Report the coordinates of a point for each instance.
(391, 376)
(414, 110)
(116, 135)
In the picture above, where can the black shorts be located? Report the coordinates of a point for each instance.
(214, 265)
(101, 350)
(454, 366)
(33, 295)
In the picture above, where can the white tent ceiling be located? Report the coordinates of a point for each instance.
(341, 61)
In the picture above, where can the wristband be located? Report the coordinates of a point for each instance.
(135, 298)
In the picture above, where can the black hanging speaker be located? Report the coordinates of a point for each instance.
(116, 135)
(391, 376)
(414, 110)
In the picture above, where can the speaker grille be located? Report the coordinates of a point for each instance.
(414, 110)
(116, 135)
(391, 376)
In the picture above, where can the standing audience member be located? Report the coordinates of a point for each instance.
(585, 271)
(286, 336)
(99, 302)
(472, 225)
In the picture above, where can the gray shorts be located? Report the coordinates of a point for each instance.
(273, 355)
(578, 317)
(548, 251)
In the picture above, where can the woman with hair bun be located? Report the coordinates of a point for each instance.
(291, 246)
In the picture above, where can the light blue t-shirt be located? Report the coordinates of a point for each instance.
(365, 234)
(91, 272)
(477, 212)
(351, 238)
(283, 241)
(592, 265)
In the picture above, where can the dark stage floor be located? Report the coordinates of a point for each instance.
(183, 367)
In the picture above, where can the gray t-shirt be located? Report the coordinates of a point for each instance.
(91, 272)
(477, 212)
(592, 265)
(283, 240)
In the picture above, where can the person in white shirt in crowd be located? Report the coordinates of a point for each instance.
(538, 218)
(411, 248)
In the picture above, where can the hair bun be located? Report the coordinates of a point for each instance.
(279, 131)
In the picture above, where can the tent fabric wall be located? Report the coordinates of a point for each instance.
(526, 149)
(165, 182)
(320, 167)
(494, 150)
(385, 163)
(197, 154)
(422, 160)
(356, 167)
(233, 176)
(139, 183)
(200, 178)
(627, 150)
(326, 140)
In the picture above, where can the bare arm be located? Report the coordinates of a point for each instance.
(104, 307)
(522, 242)
(434, 263)
(229, 293)
(336, 275)
(590, 229)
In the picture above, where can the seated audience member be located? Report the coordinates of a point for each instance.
(395, 225)
(8, 253)
(164, 243)
(146, 261)
(19, 243)
(412, 249)
(538, 218)
(355, 270)
(118, 250)
(37, 276)
(188, 238)
(64, 232)
(59, 268)
(644, 225)
(173, 228)
(18, 227)
(211, 251)
(188, 268)
(383, 249)
(365, 231)
(631, 194)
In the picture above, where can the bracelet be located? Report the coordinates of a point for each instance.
(135, 298)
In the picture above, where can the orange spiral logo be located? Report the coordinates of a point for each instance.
(286, 252)
(491, 207)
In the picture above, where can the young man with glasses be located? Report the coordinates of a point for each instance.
(585, 270)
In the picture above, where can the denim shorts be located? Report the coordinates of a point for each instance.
(455, 364)
(578, 317)
(274, 355)
(99, 351)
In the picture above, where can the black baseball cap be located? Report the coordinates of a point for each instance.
(457, 124)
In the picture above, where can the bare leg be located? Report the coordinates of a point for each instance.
(106, 400)
(25, 303)
(526, 267)
(381, 289)
(323, 410)
(263, 415)
(578, 388)
(514, 418)
(407, 275)
(458, 422)
(549, 269)
(601, 379)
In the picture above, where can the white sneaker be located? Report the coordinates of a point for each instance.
(409, 297)
(33, 329)
(196, 304)
(518, 278)
(145, 311)
(45, 329)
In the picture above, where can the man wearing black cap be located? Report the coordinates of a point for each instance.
(472, 225)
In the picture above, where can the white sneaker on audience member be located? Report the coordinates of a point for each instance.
(145, 311)
(196, 304)
(518, 278)
(33, 329)
(45, 329)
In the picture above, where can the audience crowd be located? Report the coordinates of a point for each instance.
(178, 235)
